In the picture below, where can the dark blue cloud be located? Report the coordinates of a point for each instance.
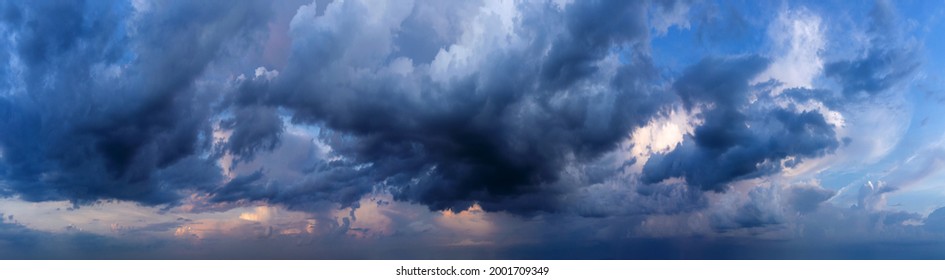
(105, 106)
(592, 30)
(738, 139)
(254, 129)
(499, 136)
(528, 115)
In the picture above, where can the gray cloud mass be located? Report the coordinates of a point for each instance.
(526, 109)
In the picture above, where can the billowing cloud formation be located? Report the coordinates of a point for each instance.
(524, 90)
(498, 100)
(461, 122)
(104, 103)
(741, 137)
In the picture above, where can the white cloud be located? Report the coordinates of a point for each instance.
(660, 135)
(266, 74)
(367, 41)
(491, 29)
(797, 40)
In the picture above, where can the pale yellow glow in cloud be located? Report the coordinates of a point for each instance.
(376, 218)
(260, 214)
(258, 221)
(472, 221)
(660, 135)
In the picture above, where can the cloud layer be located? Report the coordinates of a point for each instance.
(637, 121)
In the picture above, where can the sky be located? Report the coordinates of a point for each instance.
(494, 129)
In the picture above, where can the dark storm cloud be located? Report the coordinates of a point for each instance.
(592, 29)
(254, 129)
(105, 107)
(326, 183)
(443, 105)
(889, 59)
(738, 139)
(109, 109)
(498, 132)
